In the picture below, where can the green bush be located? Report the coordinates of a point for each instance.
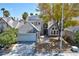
(77, 37)
(8, 37)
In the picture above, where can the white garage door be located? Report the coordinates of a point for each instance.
(27, 37)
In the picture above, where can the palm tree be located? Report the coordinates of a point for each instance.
(24, 16)
(3, 9)
(36, 14)
(6, 13)
(31, 14)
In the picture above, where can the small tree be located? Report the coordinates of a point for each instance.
(2, 9)
(8, 37)
(6, 13)
(24, 16)
(31, 14)
(36, 14)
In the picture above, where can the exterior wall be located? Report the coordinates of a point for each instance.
(27, 37)
(53, 31)
(27, 33)
(3, 25)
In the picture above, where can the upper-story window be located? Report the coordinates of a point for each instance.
(39, 23)
(32, 22)
(53, 28)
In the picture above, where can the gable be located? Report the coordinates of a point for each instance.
(3, 22)
(10, 21)
(54, 25)
(27, 28)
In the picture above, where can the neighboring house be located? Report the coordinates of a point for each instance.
(69, 32)
(53, 28)
(75, 18)
(11, 22)
(35, 20)
(72, 28)
(28, 32)
(3, 25)
(8, 21)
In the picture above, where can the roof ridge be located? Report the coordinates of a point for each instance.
(33, 26)
(8, 22)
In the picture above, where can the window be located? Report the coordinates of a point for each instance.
(39, 23)
(35, 23)
(32, 22)
(53, 28)
(54, 32)
(51, 32)
(57, 32)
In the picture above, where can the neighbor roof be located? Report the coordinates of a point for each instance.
(33, 17)
(51, 23)
(12, 23)
(74, 28)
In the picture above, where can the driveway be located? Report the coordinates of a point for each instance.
(22, 49)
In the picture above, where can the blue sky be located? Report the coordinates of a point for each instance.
(17, 9)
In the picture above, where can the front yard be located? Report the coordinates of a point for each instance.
(47, 46)
(52, 43)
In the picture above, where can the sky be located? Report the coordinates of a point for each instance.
(17, 9)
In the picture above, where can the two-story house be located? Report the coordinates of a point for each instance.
(53, 29)
(36, 21)
(6, 22)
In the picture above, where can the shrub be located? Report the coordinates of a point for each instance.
(8, 37)
(77, 37)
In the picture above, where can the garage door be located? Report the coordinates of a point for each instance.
(27, 37)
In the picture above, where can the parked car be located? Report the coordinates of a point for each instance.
(74, 49)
